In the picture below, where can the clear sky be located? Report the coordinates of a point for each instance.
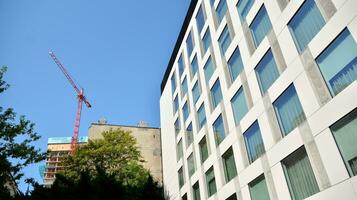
(116, 50)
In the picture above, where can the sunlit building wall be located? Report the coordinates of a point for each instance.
(259, 101)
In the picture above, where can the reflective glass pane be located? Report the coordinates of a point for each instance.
(338, 62)
(239, 105)
(288, 110)
(306, 23)
(260, 26)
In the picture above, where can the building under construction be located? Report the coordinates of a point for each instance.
(57, 147)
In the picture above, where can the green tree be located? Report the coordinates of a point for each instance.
(117, 154)
(100, 186)
(16, 145)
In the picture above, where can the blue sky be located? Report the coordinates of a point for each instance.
(116, 50)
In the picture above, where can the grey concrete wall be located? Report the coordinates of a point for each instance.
(148, 140)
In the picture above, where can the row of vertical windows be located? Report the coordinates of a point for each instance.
(267, 73)
(299, 175)
(297, 168)
(304, 25)
(288, 110)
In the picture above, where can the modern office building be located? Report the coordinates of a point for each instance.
(259, 101)
(147, 138)
(57, 148)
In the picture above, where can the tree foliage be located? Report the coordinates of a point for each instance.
(117, 154)
(108, 168)
(16, 144)
(100, 186)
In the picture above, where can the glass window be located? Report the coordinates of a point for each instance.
(196, 191)
(176, 104)
(254, 142)
(179, 150)
(221, 10)
(177, 126)
(189, 135)
(288, 110)
(218, 129)
(244, 7)
(185, 111)
(206, 41)
(260, 26)
(189, 43)
(299, 175)
(224, 40)
(258, 189)
(209, 69)
(196, 92)
(181, 65)
(173, 83)
(184, 197)
(338, 62)
(184, 86)
(306, 23)
(232, 197)
(200, 19)
(191, 165)
(235, 64)
(194, 66)
(181, 177)
(216, 93)
(203, 149)
(344, 131)
(266, 71)
(239, 105)
(201, 116)
(211, 182)
(229, 165)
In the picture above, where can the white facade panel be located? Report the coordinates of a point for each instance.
(297, 69)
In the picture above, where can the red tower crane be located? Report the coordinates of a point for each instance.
(80, 97)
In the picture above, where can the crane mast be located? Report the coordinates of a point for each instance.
(80, 99)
